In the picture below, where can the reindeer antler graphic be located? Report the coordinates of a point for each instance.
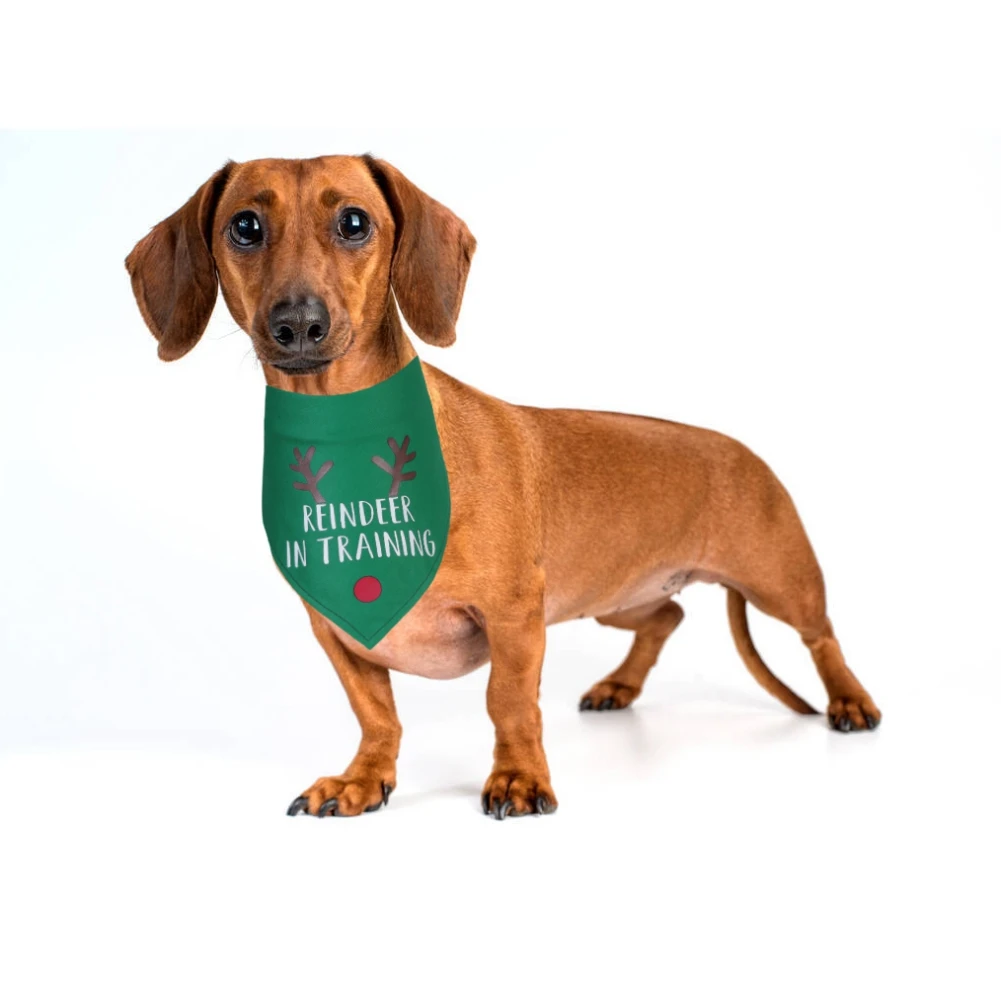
(396, 470)
(301, 465)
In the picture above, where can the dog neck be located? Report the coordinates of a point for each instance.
(364, 364)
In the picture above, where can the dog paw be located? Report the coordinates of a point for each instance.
(855, 712)
(342, 796)
(515, 794)
(608, 695)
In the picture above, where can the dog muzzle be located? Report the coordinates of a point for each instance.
(355, 501)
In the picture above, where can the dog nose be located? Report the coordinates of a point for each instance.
(299, 323)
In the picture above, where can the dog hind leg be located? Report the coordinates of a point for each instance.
(652, 624)
(801, 604)
(850, 706)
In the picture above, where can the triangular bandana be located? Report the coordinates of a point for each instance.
(355, 499)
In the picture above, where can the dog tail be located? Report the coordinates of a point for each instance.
(736, 608)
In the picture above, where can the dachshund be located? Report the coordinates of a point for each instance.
(317, 259)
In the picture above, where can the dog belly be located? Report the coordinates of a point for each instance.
(432, 641)
(440, 640)
(651, 588)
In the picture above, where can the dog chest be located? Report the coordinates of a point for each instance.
(436, 639)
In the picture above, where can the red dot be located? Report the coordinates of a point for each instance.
(367, 588)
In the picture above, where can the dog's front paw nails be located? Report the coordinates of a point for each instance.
(514, 794)
(343, 796)
(853, 713)
(608, 695)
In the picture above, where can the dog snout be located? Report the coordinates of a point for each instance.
(299, 324)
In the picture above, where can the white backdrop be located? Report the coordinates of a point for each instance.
(824, 289)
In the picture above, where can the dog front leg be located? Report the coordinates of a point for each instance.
(367, 782)
(519, 782)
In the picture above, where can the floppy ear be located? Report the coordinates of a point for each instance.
(173, 273)
(431, 255)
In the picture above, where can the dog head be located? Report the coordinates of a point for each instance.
(306, 252)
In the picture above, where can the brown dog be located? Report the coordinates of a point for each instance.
(309, 254)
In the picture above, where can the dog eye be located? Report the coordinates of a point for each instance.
(245, 230)
(353, 225)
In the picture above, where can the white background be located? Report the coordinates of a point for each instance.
(785, 226)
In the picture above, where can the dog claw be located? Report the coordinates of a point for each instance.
(331, 806)
(501, 810)
(606, 704)
(586, 704)
(543, 805)
(845, 724)
(386, 790)
(299, 805)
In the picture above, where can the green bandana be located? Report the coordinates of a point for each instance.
(356, 502)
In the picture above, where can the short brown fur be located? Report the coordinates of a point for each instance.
(710, 509)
